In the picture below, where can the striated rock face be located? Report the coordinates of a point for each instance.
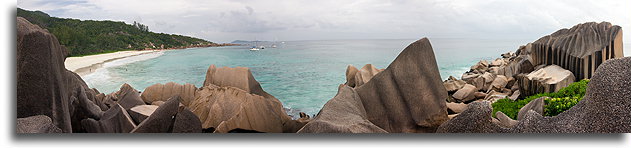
(548, 79)
(41, 78)
(408, 95)
(606, 108)
(345, 113)
(162, 92)
(36, 124)
(580, 49)
(232, 99)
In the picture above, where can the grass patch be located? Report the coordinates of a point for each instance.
(558, 102)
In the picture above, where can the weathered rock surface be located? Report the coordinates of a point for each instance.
(365, 74)
(351, 71)
(606, 108)
(128, 97)
(345, 113)
(41, 77)
(499, 83)
(240, 104)
(229, 108)
(454, 108)
(162, 92)
(476, 119)
(186, 122)
(504, 120)
(453, 85)
(36, 124)
(466, 93)
(406, 96)
(141, 112)
(580, 49)
(161, 120)
(548, 79)
(535, 105)
(114, 120)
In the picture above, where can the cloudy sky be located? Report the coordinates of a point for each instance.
(225, 21)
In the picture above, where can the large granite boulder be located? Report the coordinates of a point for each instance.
(534, 105)
(606, 108)
(350, 75)
(504, 120)
(162, 92)
(345, 113)
(518, 65)
(128, 97)
(466, 93)
(456, 107)
(228, 108)
(170, 117)
(452, 84)
(114, 120)
(238, 77)
(475, 119)
(41, 77)
(548, 79)
(580, 49)
(365, 74)
(408, 95)
(232, 99)
(36, 124)
(141, 112)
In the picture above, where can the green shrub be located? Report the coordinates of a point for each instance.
(558, 102)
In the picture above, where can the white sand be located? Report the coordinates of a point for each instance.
(87, 64)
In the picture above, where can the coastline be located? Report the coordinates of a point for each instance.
(88, 64)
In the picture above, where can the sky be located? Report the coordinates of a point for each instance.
(224, 21)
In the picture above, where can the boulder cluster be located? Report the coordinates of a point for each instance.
(52, 99)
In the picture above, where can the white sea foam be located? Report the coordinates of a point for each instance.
(103, 75)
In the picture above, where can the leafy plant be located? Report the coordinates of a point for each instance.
(558, 102)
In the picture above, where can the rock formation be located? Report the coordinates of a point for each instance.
(606, 108)
(548, 79)
(345, 113)
(41, 88)
(405, 97)
(36, 124)
(114, 120)
(232, 99)
(365, 74)
(580, 49)
(169, 118)
(162, 92)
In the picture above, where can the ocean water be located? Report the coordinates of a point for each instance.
(303, 75)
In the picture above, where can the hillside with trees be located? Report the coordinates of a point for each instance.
(86, 37)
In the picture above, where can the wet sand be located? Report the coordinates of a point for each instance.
(88, 64)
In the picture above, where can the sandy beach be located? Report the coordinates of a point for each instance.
(87, 64)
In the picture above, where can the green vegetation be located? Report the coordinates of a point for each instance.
(558, 102)
(95, 37)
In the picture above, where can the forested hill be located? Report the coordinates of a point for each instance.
(92, 37)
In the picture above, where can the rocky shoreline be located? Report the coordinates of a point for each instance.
(406, 97)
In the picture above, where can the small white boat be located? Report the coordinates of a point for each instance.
(262, 47)
(254, 49)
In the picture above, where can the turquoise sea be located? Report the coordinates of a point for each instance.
(303, 75)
